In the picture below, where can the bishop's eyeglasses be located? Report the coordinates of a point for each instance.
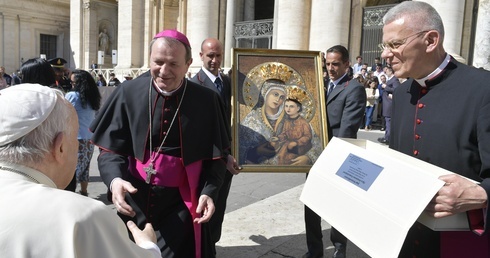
(395, 44)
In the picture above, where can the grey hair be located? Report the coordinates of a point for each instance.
(172, 42)
(422, 16)
(33, 147)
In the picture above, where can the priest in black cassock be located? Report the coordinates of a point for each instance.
(441, 115)
(164, 142)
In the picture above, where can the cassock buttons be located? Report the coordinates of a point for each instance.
(424, 91)
(165, 121)
(418, 121)
(417, 137)
(420, 105)
(415, 152)
(167, 109)
(164, 133)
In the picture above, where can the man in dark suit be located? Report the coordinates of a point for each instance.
(389, 87)
(346, 103)
(440, 115)
(210, 76)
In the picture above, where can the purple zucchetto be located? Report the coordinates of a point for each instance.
(173, 34)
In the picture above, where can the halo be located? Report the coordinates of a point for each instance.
(253, 83)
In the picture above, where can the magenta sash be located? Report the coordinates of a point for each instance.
(171, 172)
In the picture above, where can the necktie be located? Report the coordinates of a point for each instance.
(219, 84)
(330, 88)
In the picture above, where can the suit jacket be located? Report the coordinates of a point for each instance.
(202, 79)
(391, 85)
(345, 108)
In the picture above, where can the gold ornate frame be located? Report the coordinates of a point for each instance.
(264, 134)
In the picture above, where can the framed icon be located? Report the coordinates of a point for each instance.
(279, 116)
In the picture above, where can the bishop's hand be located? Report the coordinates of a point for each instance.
(206, 208)
(119, 188)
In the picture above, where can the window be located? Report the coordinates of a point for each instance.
(48, 46)
(254, 34)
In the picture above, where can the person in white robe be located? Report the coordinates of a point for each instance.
(38, 156)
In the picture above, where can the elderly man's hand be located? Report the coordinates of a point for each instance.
(119, 188)
(457, 195)
(141, 236)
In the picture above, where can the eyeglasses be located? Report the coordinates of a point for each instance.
(395, 44)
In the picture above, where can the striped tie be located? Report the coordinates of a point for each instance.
(330, 88)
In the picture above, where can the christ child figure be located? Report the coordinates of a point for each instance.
(296, 133)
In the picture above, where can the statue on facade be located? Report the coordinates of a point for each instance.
(104, 41)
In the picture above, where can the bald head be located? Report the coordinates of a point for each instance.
(211, 55)
(416, 16)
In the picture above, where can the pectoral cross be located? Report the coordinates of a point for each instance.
(149, 171)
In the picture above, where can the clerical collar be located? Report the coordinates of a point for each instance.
(167, 93)
(210, 75)
(28, 173)
(436, 72)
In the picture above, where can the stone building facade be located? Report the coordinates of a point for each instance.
(116, 33)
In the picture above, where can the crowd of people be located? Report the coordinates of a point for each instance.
(380, 83)
(169, 176)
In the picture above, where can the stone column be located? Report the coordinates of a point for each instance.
(452, 14)
(89, 35)
(183, 16)
(481, 54)
(230, 31)
(2, 38)
(17, 40)
(222, 20)
(202, 23)
(329, 24)
(151, 25)
(76, 32)
(293, 24)
(130, 46)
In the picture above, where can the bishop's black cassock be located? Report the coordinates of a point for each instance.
(198, 138)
